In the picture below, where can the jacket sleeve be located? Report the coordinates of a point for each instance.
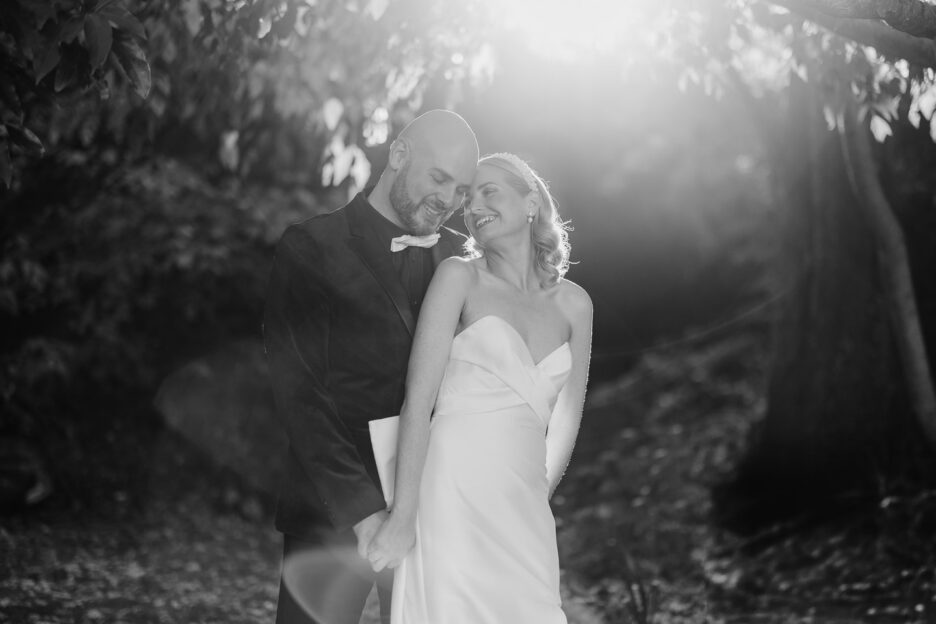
(296, 326)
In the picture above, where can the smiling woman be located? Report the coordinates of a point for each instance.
(507, 189)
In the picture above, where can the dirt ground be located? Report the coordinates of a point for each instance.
(179, 541)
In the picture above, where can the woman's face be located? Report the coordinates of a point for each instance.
(495, 208)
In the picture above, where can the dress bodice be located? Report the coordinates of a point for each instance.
(490, 367)
(485, 549)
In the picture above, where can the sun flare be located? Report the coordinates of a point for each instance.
(570, 28)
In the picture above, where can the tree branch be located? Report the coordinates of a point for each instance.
(894, 266)
(908, 33)
(913, 17)
(909, 16)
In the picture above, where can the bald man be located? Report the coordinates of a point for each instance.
(341, 308)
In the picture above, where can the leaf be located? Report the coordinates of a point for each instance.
(880, 128)
(70, 30)
(263, 28)
(830, 117)
(376, 8)
(122, 19)
(284, 26)
(98, 39)
(927, 102)
(331, 112)
(103, 88)
(23, 138)
(12, 109)
(886, 107)
(192, 13)
(48, 62)
(229, 153)
(42, 10)
(913, 116)
(6, 167)
(67, 73)
(132, 61)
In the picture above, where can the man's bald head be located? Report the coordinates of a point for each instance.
(428, 172)
(440, 128)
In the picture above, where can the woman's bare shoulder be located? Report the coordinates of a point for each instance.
(457, 270)
(574, 301)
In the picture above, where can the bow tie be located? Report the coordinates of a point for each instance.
(407, 240)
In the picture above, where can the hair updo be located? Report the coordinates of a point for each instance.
(548, 232)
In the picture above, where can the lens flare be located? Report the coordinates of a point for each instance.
(322, 581)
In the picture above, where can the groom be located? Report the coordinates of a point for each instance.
(341, 308)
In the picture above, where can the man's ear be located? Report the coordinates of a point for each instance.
(399, 154)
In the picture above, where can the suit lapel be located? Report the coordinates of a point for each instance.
(381, 266)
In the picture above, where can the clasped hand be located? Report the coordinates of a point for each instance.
(391, 543)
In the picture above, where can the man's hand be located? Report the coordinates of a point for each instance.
(367, 528)
(392, 542)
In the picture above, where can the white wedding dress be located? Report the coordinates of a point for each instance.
(486, 538)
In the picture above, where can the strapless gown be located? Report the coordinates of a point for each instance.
(485, 550)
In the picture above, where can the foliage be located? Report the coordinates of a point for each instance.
(268, 91)
(889, 90)
(761, 52)
(110, 289)
(634, 508)
(757, 46)
(145, 231)
(57, 51)
(151, 548)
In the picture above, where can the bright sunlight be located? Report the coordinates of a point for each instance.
(570, 29)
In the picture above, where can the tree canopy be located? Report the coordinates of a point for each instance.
(256, 86)
(262, 89)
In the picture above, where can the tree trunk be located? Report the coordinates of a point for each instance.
(894, 266)
(838, 421)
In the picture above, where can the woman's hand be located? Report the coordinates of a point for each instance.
(392, 542)
(366, 529)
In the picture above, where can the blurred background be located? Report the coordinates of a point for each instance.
(752, 187)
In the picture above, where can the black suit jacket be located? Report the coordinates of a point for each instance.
(338, 328)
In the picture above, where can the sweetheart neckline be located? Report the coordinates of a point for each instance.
(518, 335)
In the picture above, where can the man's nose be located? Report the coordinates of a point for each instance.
(448, 196)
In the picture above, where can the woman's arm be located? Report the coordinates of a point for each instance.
(567, 415)
(438, 320)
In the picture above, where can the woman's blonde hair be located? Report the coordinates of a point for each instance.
(549, 233)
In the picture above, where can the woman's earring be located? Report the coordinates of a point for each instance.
(530, 218)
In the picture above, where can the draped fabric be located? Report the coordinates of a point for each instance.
(486, 538)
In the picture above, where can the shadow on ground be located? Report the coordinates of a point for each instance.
(160, 533)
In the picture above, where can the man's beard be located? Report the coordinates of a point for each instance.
(408, 210)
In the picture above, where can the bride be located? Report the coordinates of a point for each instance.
(500, 361)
